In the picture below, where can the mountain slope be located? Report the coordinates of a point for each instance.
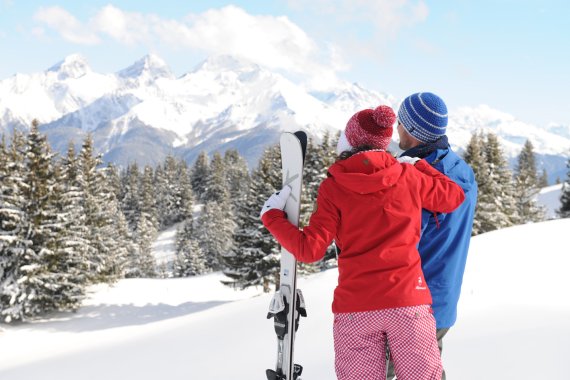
(144, 112)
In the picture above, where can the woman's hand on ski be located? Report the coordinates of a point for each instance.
(276, 200)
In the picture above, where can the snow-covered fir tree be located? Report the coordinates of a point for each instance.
(119, 244)
(199, 175)
(318, 158)
(564, 210)
(143, 265)
(186, 197)
(328, 150)
(497, 200)
(543, 180)
(68, 245)
(101, 210)
(527, 186)
(41, 280)
(254, 260)
(130, 195)
(168, 187)
(475, 157)
(216, 224)
(15, 247)
(237, 176)
(75, 238)
(190, 260)
(217, 187)
(114, 180)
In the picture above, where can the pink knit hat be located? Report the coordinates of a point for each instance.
(368, 127)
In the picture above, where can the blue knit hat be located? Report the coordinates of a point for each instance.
(424, 116)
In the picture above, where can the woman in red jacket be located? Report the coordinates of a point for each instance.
(371, 204)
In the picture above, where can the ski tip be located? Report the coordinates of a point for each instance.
(303, 139)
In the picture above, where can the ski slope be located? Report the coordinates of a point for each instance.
(513, 323)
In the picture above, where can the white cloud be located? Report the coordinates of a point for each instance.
(385, 17)
(271, 41)
(66, 25)
(128, 28)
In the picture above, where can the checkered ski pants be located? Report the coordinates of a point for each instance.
(360, 344)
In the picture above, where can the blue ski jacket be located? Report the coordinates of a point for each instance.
(445, 239)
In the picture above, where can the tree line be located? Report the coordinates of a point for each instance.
(69, 222)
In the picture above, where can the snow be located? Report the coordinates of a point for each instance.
(549, 197)
(164, 247)
(513, 323)
(225, 96)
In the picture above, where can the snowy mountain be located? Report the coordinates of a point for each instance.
(195, 328)
(144, 112)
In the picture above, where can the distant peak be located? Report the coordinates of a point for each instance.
(150, 65)
(73, 66)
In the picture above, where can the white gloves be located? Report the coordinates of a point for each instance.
(277, 200)
(408, 160)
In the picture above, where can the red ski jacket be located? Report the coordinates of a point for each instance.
(370, 204)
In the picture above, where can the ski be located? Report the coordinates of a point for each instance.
(288, 304)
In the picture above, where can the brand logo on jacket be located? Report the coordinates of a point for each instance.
(420, 285)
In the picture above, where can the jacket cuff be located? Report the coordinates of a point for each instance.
(272, 214)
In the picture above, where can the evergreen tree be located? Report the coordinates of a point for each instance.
(543, 180)
(114, 180)
(216, 189)
(101, 209)
(328, 149)
(564, 210)
(168, 184)
(215, 230)
(527, 186)
(216, 224)
(69, 245)
(526, 164)
(497, 200)
(237, 176)
(186, 207)
(199, 175)
(130, 195)
(475, 157)
(146, 229)
(15, 248)
(254, 260)
(190, 260)
(314, 172)
(40, 278)
(118, 241)
(76, 242)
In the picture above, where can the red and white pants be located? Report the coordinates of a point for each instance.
(360, 344)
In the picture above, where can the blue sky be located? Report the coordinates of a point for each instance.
(511, 55)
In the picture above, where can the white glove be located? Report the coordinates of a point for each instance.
(277, 200)
(408, 160)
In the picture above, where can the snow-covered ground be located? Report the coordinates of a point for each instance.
(514, 323)
(549, 197)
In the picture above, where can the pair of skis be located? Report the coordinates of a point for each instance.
(288, 305)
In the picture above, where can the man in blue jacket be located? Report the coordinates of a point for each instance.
(443, 247)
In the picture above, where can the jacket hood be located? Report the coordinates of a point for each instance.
(367, 172)
(450, 164)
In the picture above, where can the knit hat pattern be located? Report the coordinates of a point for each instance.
(372, 127)
(424, 116)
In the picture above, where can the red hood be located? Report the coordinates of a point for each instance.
(367, 172)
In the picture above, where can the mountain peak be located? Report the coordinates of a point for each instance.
(151, 66)
(72, 66)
